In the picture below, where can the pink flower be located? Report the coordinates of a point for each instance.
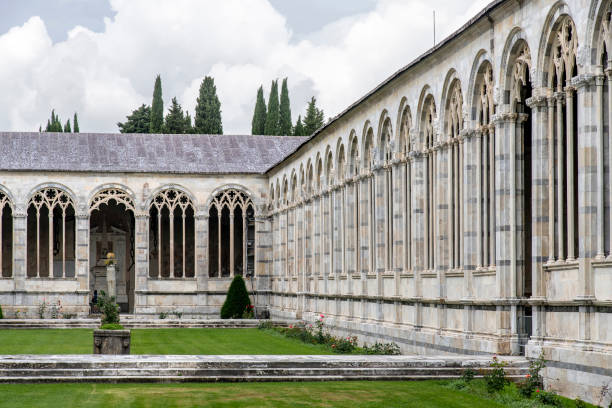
(291, 326)
(333, 346)
(322, 317)
(537, 390)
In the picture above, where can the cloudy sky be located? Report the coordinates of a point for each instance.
(100, 57)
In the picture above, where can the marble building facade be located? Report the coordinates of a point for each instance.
(462, 206)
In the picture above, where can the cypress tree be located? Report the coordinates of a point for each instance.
(75, 123)
(175, 121)
(272, 118)
(208, 109)
(258, 125)
(285, 111)
(236, 301)
(313, 119)
(67, 127)
(157, 108)
(54, 124)
(298, 130)
(138, 122)
(188, 128)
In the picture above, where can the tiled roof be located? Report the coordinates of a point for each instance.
(143, 153)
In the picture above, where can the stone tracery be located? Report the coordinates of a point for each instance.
(172, 223)
(236, 257)
(58, 207)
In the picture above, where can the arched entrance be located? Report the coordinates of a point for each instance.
(111, 229)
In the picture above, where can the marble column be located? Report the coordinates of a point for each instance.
(141, 244)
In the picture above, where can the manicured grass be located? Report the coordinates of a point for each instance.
(157, 341)
(429, 394)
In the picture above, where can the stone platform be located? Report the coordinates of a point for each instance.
(240, 368)
(138, 323)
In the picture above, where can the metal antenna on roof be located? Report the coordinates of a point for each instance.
(434, 27)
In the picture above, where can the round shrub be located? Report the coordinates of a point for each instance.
(236, 301)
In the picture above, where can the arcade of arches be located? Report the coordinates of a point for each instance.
(462, 206)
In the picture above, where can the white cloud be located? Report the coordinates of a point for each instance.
(242, 43)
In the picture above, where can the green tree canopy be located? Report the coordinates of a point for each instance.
(298, 130)
(54, 124)
(188, 127)
(272, 118)
(285, 123)
(258, 125)
(175, 120)
(236, 301)
(138, 121)
(314, 117)
(67, 127)
(208, 109)
(75, 123)
(157, 108)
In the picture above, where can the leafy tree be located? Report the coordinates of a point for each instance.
(67, 127)
(188, 128)
(175, 120)
(272, 118)
(208, 109)
(258, 125)
(54, 124)
(298, 130)
(75, 123)
(236, 301)
(285, 111)
(157, 108)
(138, 121)
(314, 117)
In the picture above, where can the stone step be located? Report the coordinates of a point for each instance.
(137, 323)
(133, 368)
(235, 378)
(390, 362)
(173, 371)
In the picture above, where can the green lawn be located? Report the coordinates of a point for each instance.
(157, 341)
(348, 394)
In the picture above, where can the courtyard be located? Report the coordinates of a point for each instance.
(349, 394)
(158, 341)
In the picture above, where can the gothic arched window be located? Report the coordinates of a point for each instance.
(6, 236)
(231, 234)
(172, 235)
(50, 234)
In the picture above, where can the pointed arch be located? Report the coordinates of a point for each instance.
(231, 233)
(404, 127)
(515, 72)
(172, 231)
(112, 193)
(340, 162)
(6, 233)
(329, 167)
(557, 49)
(51, 229)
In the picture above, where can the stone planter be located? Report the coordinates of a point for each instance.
(111, 341)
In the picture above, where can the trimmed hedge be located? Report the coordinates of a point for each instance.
(236, 301)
